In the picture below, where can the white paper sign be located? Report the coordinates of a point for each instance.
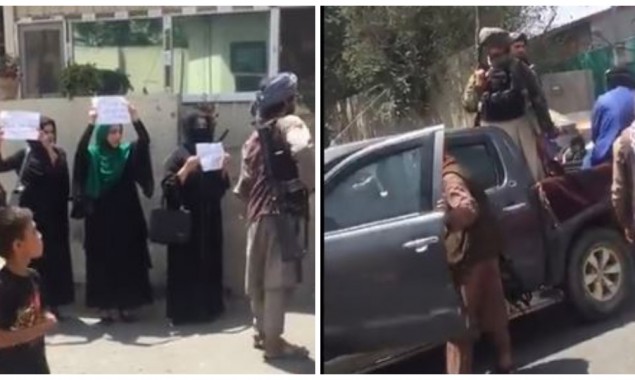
(112, 110)
(211, 156)
(20, 125)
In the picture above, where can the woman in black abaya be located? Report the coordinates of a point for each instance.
(195, 269)
(105, 179)
(46, 191)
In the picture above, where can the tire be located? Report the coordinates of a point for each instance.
(593, 304)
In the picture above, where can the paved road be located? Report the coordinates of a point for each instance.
(152, 346)
(553, 341)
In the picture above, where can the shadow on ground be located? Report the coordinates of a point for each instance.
(534, 337)
(152, 328)
(562, 366)
(295, 366)
(80, 325)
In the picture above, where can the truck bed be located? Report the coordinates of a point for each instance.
(568, 195)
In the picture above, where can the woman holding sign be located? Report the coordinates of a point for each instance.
(195, 269)
(46, 190)
(105, 179)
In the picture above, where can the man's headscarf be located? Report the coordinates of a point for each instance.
(254, 105)
(518, 37)
(106, 164)
(493, 37)
(277, 90)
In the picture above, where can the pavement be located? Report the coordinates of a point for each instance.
(151, 346)
(552, 341)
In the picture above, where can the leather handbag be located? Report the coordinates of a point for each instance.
(170, 226)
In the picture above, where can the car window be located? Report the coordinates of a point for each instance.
(480, 162)
(388, 187)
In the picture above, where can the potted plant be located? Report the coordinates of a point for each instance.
(9, 77)
(88, 80)
(80, 80)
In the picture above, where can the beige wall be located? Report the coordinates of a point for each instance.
(160, 114)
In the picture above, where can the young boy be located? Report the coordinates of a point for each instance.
(23, 322)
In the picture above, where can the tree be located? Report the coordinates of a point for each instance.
(395, 48)
(335, 84)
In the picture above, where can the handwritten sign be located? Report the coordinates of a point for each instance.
(211, 156)
(112, 110)
(20, 125)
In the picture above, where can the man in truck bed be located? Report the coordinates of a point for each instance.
(473, 247)
(500, 92)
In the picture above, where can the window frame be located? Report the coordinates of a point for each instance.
(67, 21)
(272, 49)
(21, 29)
(491, 151)
(70, 40)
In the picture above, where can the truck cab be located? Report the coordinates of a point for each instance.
(387, 288)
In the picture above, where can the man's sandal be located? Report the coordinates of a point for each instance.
(288, 351)
(259, 342)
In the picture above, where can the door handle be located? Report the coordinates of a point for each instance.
(421, 245)
(516, 207)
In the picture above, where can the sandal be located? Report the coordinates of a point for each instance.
(288, 351)
(259, 342)
(127, 317)
(107, 318)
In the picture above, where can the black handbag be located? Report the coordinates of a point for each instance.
(170, 226)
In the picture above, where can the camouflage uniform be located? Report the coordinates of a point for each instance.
(525, 130)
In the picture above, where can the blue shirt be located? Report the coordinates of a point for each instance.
(612, 113)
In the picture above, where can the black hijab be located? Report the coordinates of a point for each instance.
(39, 161)
(35, 145)
(197, 128)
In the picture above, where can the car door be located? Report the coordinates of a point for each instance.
(386, 281)
(509, 190)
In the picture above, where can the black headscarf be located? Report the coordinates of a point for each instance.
(39, 161)
(197, 128)
(44, 121)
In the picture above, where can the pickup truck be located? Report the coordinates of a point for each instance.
(387, 291)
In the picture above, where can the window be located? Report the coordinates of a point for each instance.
(42, 59)
(134, 47)
(248, 64)
(222, 53)
(480, 163)
(389, 187)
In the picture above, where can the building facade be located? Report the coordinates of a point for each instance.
(215, 54)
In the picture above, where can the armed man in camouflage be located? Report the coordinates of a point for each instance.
(505, 93)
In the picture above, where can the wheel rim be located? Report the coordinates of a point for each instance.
(602, 274)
